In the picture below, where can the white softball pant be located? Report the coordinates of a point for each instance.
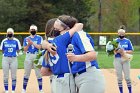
(122, 67)
(63, 84)
(29, 64)
(9, 63)
(91, 81)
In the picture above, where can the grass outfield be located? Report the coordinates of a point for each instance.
(103, 60)
(107, 62)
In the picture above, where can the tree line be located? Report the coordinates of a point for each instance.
(20, 14)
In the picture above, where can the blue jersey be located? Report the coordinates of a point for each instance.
(44, 63)
(36, 39)
(125, 44)
(82, 43)
(59, 62)
(43, 52)
(10, 47)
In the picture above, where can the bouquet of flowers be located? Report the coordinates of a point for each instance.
(113, 46)
(20, 52)
(38, 60)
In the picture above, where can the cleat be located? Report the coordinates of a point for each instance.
(23, 91)
(6, 92)
(41, 91)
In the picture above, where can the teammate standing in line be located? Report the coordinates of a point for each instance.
(64, 82)
(119, 65)
(31, 45)
(10, 47)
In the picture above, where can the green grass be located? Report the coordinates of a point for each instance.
(20, 61)
(103, 60)
(107, 61)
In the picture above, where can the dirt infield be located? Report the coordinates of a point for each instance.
(111, 82)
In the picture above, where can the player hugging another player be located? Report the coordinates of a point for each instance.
(62, 81)
(85, 69)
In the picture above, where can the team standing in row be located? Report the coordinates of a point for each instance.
(71, 63)
(10, 47)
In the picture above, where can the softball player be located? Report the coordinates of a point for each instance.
(10, 46)
(62, 80)
(85, 68)
(121, 66)
(45, 70)
(31, 45)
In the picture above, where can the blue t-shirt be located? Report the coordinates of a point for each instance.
(125, 44)
(10, 47)
(59, 63)
(36, 39)
(82, 43)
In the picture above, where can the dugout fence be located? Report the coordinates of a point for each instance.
(134, 37)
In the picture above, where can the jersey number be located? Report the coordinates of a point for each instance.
(53, 61)
(32, 46)
(10, 49)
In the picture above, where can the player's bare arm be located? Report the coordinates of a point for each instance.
(77, 27)
(26, 47)
(46, 71)
(129, 51)
(38, 46)
(29, 43)
(49, 47)
(87, 57)
(122, 51)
